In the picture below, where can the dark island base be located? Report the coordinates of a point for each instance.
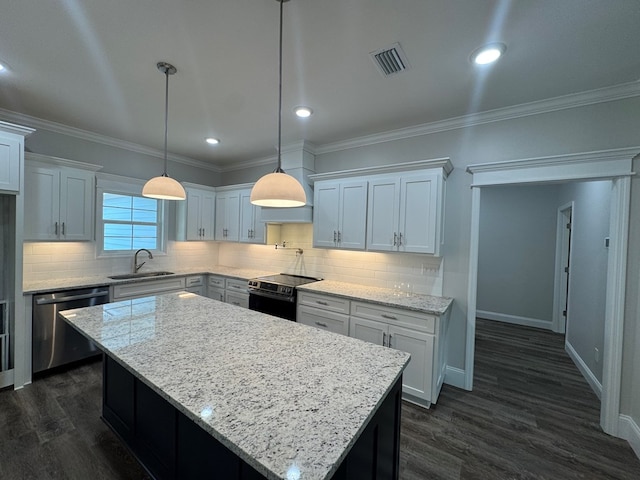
(171, 446)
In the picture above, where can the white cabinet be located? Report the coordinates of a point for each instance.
(215, 287)
(323, 312)
(10, 159)
(404, 213)
(339, 216)
(236, 292)
(227, 221)
(421, 335)
(195, 216)
(148, 287)
(252, 230)
(195, 284)
(59, 202)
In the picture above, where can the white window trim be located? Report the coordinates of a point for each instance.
(125, 186)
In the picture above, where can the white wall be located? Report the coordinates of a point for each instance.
(516, 256)
(588, 276)
(401, 271)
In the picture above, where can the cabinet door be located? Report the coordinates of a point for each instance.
(352, 230)
(76, 205)
(194, 209)
(227, 221)
(382, 214)
(418, 213)
(247, 217)
(221, 217)
(323, 319)
(326, 201)
(237, 299)
(9, 163)
(368, 330)
(41, 203)
(207, 214)
(416, 378)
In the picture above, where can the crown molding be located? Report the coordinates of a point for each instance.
(443, 163)
(55, 127)
(38, 157)
(16, 129)
(574, 100)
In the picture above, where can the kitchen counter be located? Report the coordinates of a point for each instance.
(59, 284)
(282, 396)
(383, 296)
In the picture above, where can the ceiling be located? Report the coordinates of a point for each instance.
(91, 64)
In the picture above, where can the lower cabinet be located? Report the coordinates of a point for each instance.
(195, 284)
(215, 287)
(236, 292)
(126, 291)
(325, 313)
(422, 335)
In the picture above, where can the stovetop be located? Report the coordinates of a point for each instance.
(288, 279)
(282, 285)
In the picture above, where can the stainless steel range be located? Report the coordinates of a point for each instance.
(276, 294)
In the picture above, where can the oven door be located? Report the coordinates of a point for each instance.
(272, 305)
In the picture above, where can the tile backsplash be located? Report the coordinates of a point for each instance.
(401, 271)
(48, 260)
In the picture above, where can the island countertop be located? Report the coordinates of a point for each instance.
(282, 396)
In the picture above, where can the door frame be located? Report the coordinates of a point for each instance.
(614, 165)
(557, 323)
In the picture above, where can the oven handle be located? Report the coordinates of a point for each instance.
(273, 296)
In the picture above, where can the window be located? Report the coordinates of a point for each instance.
(127, 221)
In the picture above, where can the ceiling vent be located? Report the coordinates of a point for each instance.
(390, 60)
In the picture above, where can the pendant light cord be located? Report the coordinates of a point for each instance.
(279, 169)
(166, 119)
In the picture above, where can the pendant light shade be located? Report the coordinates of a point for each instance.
(164, 187)
(278, 189)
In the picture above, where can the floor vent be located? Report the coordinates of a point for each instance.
(390, 60)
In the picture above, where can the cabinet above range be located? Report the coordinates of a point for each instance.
(59, 199)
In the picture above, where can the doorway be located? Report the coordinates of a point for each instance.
(562, 268)
(612, 164)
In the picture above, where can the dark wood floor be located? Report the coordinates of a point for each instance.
(531, 415)
(520, 422)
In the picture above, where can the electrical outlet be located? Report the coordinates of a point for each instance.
(597, 354)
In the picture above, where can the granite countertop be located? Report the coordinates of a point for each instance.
(58, 284)
(282, 396)
(382, 296)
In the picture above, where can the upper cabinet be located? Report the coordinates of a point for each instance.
(340, 213)
(196, 215)
(404, 213)
(395, 208)
(10, 157)
(227, 225)
(252, 230)
(59, 199)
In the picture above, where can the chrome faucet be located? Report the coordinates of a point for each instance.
(137, 266)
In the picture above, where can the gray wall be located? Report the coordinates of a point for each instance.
(588, 277)
(516, 256)
(115, 160)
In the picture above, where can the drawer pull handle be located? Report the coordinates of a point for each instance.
(323, 325)
(320, 302)
(384, 339)
(237, 304)
(390, 317)
(389, 342)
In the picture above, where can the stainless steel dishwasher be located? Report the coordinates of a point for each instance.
(55, 342)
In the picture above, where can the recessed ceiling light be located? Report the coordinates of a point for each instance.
(212, 141)
(3, 67)
(488, 53)
(303, 112)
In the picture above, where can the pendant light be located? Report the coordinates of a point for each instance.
(164, 187)
(278, 189)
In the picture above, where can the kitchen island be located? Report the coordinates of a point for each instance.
(196, 387)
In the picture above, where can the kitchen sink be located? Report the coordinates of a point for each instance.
(126, 276)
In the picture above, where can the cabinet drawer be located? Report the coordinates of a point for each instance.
(323, 319)
(216, 293)
(234, 284)
(194, 281)
(141, 289)
(325, 302)
(238, 299)
(394, 316)
(216, 281)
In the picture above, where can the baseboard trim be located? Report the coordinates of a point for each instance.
(515, 319)
(455, 377)
(588, 375)
(630, 431)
